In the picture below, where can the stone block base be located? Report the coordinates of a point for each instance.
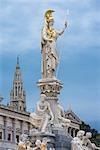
(62, 139)
(59, 140)
(40, 136)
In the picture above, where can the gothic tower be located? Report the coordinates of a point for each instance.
(17, 94)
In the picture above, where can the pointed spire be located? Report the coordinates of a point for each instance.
(17, 65)
(17, 94)
(17, 72)
(18, 60)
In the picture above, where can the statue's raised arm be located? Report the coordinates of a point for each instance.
(48, 45)
(62, 31)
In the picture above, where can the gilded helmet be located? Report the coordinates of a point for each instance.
(48, 15)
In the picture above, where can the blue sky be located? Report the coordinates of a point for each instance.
(21, 22)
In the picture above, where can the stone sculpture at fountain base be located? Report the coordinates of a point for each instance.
(59, 139)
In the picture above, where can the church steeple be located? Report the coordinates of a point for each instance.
(17, 94)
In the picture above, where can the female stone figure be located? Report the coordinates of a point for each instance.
(76, 143)
(48, 44)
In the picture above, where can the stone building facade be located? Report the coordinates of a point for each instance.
(75, 122)
(12, 124)
(14, 119)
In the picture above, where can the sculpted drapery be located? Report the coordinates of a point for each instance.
(48, 46)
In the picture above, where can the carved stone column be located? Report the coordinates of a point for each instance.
(21, 126)
(5, 128)
(14, 130)
(76, 132)
(69, 130)
(73, 132)
(29, 127)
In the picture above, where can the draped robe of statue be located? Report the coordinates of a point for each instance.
(43, 115)
(61, 116)
(76, 143)
(49, 53)
(49, 38)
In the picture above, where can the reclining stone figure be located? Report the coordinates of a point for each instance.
(43, 115)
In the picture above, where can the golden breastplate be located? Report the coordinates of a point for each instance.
(51, 33)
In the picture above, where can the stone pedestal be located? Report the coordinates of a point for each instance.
(62, 139)
(59, 139)
(51, 88)
(40, 136)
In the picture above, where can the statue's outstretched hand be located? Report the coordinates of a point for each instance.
(61, 32)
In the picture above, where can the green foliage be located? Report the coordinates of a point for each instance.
(95, 135)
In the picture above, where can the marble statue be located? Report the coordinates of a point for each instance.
(37, 143)
(76, 143)
(86, 143)
(41, 145)
(48, 45)
(43, 115)
(82, 142)
(23, 142)
(61, 116)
